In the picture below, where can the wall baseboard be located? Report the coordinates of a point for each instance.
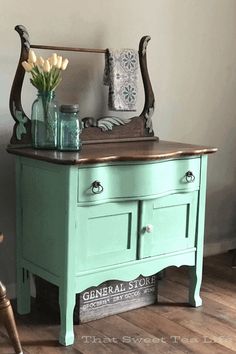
(210, 249)
(11, 290)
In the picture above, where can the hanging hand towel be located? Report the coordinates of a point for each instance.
(121, 75)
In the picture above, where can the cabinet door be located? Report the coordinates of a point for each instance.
(168, 224)
(106, 234)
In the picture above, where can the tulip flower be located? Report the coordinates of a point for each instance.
(64, 64)
(54, 59)
(59, 62)
(28, 67)
(46, 66)
(40, 62)
(45, 73)
(32, 57)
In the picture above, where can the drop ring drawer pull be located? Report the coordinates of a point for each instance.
(189, 176)
(97, 188)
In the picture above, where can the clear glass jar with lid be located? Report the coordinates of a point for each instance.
(69, 128)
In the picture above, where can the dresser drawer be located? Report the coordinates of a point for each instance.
(143, 180)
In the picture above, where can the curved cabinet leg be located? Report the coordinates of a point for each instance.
(23, 291)
(67, 304)
(195, 286)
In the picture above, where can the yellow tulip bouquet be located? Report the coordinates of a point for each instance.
(46, 73)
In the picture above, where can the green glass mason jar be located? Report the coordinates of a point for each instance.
(44, 121)
(69, 128)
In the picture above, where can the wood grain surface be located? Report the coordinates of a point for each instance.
(116, 152)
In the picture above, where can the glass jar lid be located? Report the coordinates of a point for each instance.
(69, 108)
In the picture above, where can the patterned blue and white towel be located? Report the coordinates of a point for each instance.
(121, 75)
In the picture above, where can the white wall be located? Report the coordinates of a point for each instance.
(192, 63)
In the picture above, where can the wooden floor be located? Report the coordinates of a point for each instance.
(169, 327)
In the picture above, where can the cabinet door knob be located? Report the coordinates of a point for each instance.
(97, 188)
(189, 176)
(149, 228)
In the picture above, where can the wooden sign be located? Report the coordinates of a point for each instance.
(109, 298)
(114, 297)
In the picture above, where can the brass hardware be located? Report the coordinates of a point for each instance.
(97, 188)
(189, 176)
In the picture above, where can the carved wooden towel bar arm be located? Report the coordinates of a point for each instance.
(103, 129)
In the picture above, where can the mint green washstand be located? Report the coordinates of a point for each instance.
(127, 205)
(113, 211)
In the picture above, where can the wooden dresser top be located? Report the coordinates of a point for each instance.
(115, 152)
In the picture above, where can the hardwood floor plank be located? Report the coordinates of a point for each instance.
(210, 290)
(210, 307)
(39, 333)
(215, 303)
(182, 338)
(5, 344)
(221, 267)
(207, 326)
(131, 339)
(90, 341)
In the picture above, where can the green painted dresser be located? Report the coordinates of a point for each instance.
(114, 211)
